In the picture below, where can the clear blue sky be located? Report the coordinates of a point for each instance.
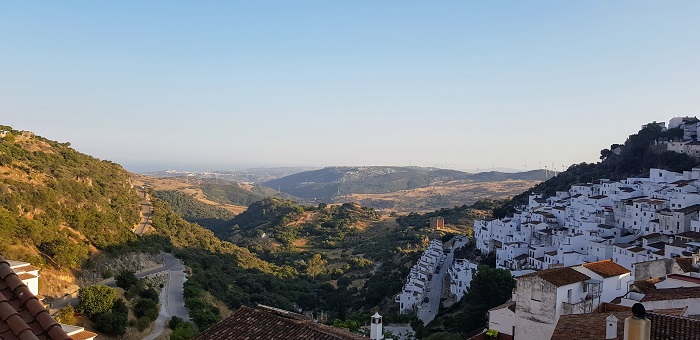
(465, 84)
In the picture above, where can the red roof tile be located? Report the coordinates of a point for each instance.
(686, 264)
(269, 323)
(681, 293)
(607, 268)
(21, 314)
(592, 326)
(561, 276)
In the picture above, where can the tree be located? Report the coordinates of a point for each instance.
(183, 331)
(489, 288)
(316, 266)
(147, 308)
(96, 299)
(114, 321)
(66, 315)
(126, 279)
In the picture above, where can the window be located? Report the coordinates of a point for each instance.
(585, 287)
(619, 283)
(537, 291)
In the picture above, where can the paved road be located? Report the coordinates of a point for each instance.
(427, 311)
(146, 212)
(172, 301)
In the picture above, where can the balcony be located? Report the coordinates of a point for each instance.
(582, 307)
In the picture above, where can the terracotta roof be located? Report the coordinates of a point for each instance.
(25, 276)
(268, 323)
(684, 278)
(693, 235)
(84, 335)
(592, 326)
(559, 276)
(672, 294)
(26, 268)
(607, 268)
(21, 314)
(686, 264)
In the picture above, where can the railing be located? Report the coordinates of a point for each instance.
(582, 307)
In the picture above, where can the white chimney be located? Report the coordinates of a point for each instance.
(375, 330)
(611, 327)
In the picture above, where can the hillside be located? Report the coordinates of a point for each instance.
(638, 154)
(58, 205)
(325, 184)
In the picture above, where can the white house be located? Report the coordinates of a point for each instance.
(542, 297)
(27, 273)
(461, 273)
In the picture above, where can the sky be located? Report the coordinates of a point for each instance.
(203, 85)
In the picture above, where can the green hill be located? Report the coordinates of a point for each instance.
(57, 203)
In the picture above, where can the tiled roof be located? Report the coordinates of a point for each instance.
(559, 276)
(607, 268)
(680, 293)
(83, 335)
(592, 326)
(21, 314)
(686, 264)
(693, 235)
(684, 278)
(268, 323)
(510, 305)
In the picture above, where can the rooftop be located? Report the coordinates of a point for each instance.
(270, 323)
(592, 326)
(559, 276)
(21, 314)
(607, 268)
(681, 293)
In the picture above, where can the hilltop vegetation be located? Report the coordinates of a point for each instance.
(233, 193)
(214, 218)
(57, 204)
(638, 155)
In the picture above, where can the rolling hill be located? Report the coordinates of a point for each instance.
(339, 184)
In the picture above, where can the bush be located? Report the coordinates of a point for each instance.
(174, 322)
(96, 299)
(146, 308)
(142, 323)
(184, 331)
(114, 321)
(125, 279)
(66, 315)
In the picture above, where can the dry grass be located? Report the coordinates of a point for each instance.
(438, 196)
(185, 187)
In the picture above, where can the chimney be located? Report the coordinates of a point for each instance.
(637, 326)
(375, 330)
(611, 327)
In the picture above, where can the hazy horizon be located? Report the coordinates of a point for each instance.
(460, 85)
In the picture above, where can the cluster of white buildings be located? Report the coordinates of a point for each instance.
(461, 272)
(630, 221)
(548, 302)
(416, 286)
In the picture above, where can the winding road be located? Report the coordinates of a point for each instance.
(172, 301)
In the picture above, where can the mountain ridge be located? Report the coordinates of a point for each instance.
(327, 183)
